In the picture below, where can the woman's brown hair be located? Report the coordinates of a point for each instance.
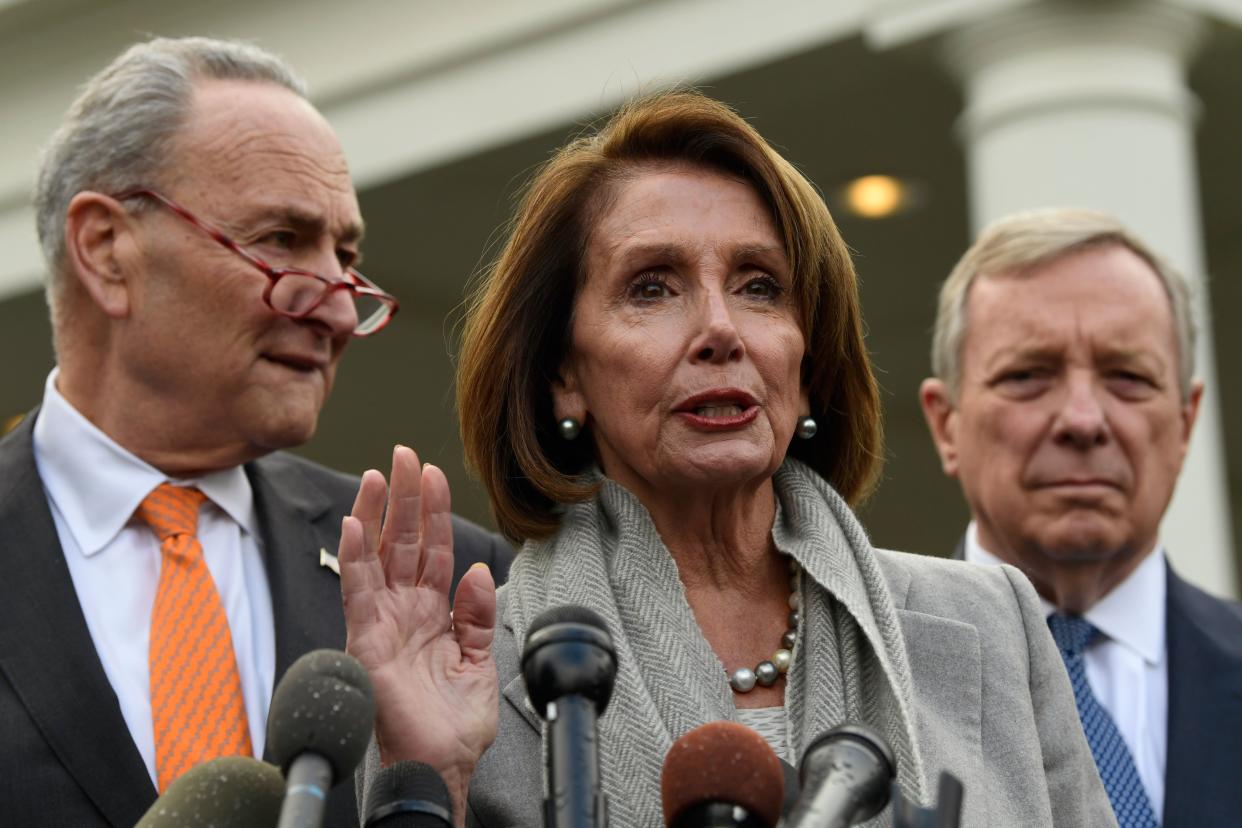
(517, 327)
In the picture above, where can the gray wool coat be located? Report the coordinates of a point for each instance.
(993, 705)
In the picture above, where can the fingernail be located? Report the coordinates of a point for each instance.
(480, 565)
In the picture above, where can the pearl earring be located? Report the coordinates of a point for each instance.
(570, 428)
(807, 427)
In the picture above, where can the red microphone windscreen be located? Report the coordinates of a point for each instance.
(722, 762)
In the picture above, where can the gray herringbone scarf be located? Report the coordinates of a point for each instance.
(849, 662)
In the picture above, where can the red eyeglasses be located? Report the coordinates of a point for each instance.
(291, 291)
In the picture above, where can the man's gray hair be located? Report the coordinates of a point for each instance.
(116, 134)
(1023, 242)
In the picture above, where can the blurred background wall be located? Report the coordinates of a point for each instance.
(920, 120)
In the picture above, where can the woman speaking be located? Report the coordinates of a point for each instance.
(664, 387)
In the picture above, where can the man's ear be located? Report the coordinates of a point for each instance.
(97, 246)
(567, 399)
(1190, 413)
(942, 421)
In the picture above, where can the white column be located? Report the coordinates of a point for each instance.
(1089, 107)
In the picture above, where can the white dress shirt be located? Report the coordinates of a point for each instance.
(93, 487)
(1127, 666)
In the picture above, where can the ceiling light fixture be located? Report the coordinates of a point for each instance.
(877, 196)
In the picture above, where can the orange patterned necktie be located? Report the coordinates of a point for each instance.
(197, 706)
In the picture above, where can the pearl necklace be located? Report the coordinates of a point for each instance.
(766, 672)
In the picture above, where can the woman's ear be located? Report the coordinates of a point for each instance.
(97, 235)
(567, 399)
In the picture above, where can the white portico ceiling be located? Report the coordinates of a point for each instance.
(408, 85)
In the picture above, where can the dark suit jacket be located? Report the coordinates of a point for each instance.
(66, 756)
(1203, 766)
(1203, 777)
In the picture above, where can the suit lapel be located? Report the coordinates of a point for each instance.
(298, 517)
(1205, 708)
(296, 521)
(46, 651)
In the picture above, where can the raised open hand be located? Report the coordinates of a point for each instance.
(435, 681)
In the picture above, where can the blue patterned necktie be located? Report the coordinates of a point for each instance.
(1121, 780)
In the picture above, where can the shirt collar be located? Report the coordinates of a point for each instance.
(97, 485)
(1131, 613)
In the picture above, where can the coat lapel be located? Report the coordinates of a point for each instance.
(299, 515)
(1205, 707)
(296, 521)
(946, 672)
(514, 691)
(46, 652)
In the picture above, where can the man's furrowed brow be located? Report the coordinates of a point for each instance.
(354, 232)
(309, 223)
(1025, 352)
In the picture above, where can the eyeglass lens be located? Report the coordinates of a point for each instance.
(296, 294)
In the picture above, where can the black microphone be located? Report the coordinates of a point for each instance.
(721, 775)
(569, 666)
(846, 777)
(228, 792)
(318, 729)
(408, 795)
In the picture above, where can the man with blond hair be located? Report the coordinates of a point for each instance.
(164, 563)
(1063, 402)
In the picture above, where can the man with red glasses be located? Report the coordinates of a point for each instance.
(163, 562)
